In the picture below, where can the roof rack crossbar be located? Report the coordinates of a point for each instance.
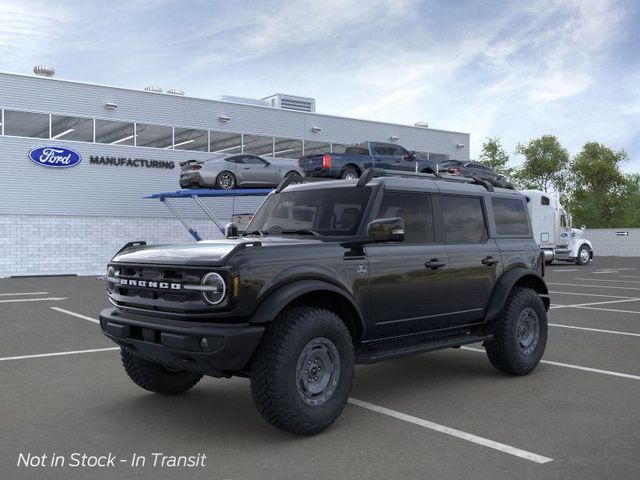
(487, 183)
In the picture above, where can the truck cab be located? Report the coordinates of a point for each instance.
(553, 231)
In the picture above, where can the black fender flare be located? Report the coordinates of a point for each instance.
(505, 285)
(273, 304)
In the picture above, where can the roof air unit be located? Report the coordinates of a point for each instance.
(44, 71)
(175, 91)
(153, 88)
(292, 102)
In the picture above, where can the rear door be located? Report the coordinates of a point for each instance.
(474, 260)
(382, 156)
(408, 281)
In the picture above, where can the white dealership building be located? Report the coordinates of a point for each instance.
(128, 144)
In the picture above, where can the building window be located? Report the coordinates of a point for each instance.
(316, 148)
(157, 136)
(71, 128)
(225, 143)
(258, 145)
(115, 133)
(287, 148)
(26, 124)
(190, 139)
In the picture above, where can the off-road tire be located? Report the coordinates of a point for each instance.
(579, 258)
(156, 378)
(505, 350)
(220, 180)
(275, 385)
(350, 173)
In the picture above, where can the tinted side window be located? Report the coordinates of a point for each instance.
(463, 219)
(234, 160)
(511, 216)
(414, 209)
(253, 160)
(381, 150)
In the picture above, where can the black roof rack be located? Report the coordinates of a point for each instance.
(487, 182)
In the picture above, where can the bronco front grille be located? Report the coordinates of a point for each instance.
(158, 289)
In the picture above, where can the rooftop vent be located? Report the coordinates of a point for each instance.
(291, 102)
(44, 71)
(175, 91)
(153, 88)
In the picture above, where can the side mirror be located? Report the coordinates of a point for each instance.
(583, 227)
(410, 156)
(386, 230)
(231, 230)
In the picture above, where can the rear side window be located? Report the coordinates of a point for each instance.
(463, 219)
(511, 216)
(356, 151)
(415, 211)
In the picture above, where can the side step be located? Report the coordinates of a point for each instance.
(371, 355)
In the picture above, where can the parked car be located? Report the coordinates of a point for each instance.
(231, 171)
(329, 275)
(357, 158)
(474, 169)
(467, 169)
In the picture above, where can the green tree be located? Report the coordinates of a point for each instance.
(545, 164)
(494, 156)
(600, 192)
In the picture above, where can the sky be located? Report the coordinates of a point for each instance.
(507, 69)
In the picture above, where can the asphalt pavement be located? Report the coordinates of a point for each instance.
(441, 415)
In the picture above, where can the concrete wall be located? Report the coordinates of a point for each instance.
(607, 242)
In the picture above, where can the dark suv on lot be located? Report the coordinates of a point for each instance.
(328, 275)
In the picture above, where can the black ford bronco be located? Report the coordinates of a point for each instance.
(329, 275)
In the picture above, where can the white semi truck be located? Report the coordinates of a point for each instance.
(553, 231)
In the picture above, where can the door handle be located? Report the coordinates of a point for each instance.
(489, 261)
(434, 264)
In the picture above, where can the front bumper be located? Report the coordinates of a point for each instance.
(206, 348)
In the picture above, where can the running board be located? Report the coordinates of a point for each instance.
(368, 356)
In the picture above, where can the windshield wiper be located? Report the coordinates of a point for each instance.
(301, 231)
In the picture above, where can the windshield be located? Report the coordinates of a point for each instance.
(326, 212)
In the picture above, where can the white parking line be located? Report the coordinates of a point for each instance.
(590, 295)
(598, 330)
(575, 367)
(603, 280)
(533, 457)
(48, 299)
(57, 354)
(629, 276)
(589, 304)
(62, 310)
(23, 293)
(594, 286)
(561, 271)
(610, 310)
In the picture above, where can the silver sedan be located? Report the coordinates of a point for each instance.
(232, 171)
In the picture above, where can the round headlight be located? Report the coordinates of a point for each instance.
(111, 273)
(216, 288)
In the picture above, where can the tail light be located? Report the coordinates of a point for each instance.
(326, 161)
(299, 162)
(196, 167)
(455, 171)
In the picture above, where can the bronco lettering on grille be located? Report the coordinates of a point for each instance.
(150, 284)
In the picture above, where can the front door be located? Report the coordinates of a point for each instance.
(408, 281)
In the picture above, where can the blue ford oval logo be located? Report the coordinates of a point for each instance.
(56, 157)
